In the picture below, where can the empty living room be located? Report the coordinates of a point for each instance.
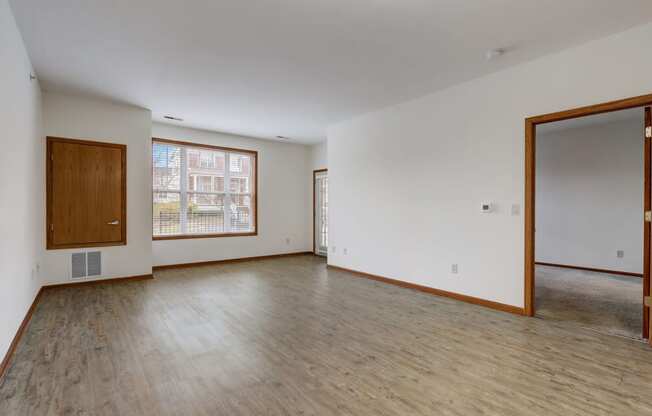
(292, 207)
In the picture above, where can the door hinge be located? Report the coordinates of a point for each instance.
(648, 132)
(51, 228)
(648, 216)
(648, 301)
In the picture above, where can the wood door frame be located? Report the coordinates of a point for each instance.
(49, 193)
(530, 195)
(314, 207)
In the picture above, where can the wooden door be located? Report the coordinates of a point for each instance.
(647, 171)
(86, 193)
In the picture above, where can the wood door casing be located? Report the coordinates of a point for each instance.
(647, 235)
(86, 193)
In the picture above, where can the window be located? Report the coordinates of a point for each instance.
(190, 198)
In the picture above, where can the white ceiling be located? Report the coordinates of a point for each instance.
(292, 67)
(633, 115)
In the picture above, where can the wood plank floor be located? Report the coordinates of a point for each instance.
(289, 337)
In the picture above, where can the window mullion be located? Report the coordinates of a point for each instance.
(227, 193)
(184, 191)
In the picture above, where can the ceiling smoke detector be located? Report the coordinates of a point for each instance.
(173, 118)
(492, 54)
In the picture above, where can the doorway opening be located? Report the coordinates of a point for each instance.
(320, 212)
(589, 237)
(574, 274)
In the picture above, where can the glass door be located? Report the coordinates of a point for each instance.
(321, 212)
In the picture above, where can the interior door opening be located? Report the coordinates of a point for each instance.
(608, 274)
(589, 238)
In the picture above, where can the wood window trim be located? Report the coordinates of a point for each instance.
(49, 194)
(253, 154)
(530, 193)
(314, 205)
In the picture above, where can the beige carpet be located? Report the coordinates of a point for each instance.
(605, 303)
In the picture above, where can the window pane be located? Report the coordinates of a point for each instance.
(241, 213)
(205, 170)
(240, 165)
(218, 184)
(166, 213)
(239, 185)
(166, 166)
(205, 214)
(204, 183)
(205, 160)
(324, 212)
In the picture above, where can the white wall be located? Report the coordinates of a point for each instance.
(83, 118)
(406, 182)
(283, 208)
(21, 180)
(589, 196)
(319, 156)
(318, 160)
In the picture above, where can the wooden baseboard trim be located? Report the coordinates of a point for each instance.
(589, 269)
(438, 292)
(237, 260)
(100, 281)
(21, 329)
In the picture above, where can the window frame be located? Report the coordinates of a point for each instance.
(254, 194)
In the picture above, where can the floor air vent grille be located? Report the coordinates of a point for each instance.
(86, 264)
(94, 259)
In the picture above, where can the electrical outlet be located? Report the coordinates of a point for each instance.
(334, 249)
(345, 251)
(287, 241)
(36, 270)
(620, 254)
(454, 268)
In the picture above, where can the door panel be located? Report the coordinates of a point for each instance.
(86, 194)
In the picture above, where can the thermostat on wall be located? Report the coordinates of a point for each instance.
(486, 207)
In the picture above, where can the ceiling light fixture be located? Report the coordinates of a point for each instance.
(173, 118)
(282, 137)
(492, 54)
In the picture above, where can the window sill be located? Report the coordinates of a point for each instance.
(191, 236)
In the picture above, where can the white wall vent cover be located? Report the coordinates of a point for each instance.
(94, 261)
(86, 264)
(78, 266)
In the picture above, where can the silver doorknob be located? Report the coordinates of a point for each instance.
(114, 222)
